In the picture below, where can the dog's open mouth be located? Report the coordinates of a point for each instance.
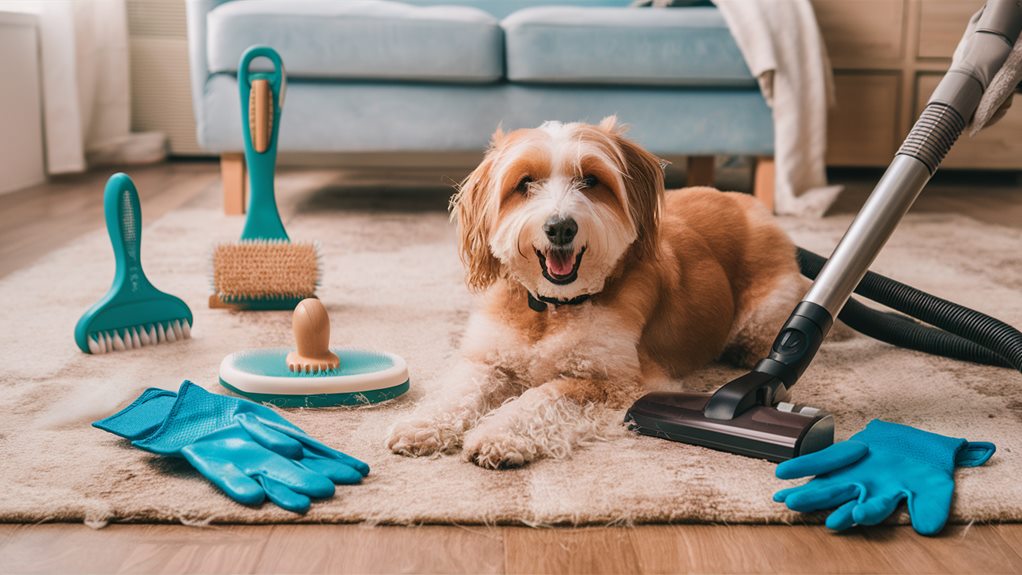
(560, 266)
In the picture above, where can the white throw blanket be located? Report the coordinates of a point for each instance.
(783, 48)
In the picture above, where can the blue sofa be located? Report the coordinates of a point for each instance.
(440, 75)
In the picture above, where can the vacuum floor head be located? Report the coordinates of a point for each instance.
(774, 433)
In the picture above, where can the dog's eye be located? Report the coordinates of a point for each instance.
(589, 181)
(523, 184)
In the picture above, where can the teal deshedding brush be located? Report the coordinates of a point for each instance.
(133, 313)
(264, 270)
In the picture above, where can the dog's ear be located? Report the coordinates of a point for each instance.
(471, 207)
(644, 188)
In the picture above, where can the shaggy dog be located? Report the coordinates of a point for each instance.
(597, 286)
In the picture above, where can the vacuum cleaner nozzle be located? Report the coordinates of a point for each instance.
(774, 432)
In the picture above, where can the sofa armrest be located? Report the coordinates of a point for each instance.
(198, 64)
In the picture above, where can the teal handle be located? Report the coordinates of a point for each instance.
(263, 220)
(131, 302)
(124, 224)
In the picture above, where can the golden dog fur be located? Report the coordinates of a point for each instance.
(674, 280)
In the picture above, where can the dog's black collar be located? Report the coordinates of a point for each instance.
(540, 303)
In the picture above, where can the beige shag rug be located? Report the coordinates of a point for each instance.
(393, 282)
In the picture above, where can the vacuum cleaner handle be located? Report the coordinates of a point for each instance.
(950, 107)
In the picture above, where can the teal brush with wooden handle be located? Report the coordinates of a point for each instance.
(264, 270)
(133, 313)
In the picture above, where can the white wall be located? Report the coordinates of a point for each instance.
(21, 122)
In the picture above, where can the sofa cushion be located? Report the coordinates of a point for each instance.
(361, 39)
(433, 117)
(638, 46)
(504, 8)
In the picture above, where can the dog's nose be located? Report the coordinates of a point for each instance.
(560, 231)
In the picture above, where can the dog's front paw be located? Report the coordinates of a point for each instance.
(425, 436)
(498, 449)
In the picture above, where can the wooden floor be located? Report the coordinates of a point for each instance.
(36, 221)
(472, 549)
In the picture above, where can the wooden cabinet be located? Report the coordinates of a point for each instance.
(862, 126)
(941, 24)
(888, 55)
(862, 32)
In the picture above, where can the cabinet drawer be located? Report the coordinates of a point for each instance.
(861, 32)
(941, 25)
(997, 147)
(862, 128)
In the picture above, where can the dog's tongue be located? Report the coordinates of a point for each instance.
(560, 263)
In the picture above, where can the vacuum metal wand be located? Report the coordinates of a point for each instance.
(890, 200)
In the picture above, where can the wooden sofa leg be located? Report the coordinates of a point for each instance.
(233, 178)
(763, 181)
(699, 171)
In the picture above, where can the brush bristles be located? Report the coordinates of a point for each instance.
(139, 336)
(265, 270)
(313, 368)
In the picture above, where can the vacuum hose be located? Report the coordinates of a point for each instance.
(960, 332)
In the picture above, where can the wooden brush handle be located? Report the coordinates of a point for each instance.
(311, 326)
(260, 115)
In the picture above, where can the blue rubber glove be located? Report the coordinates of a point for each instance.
(245, 449)
(865, 478)
(144, 416)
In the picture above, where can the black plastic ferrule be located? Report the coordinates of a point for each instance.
(738, 395)
(791, 353)
(797, 343)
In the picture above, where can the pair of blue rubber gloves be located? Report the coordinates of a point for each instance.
(865, 478)
(246, 449)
